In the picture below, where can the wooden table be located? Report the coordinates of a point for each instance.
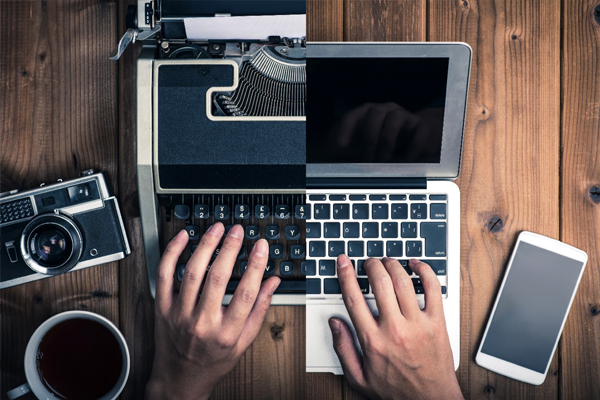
(530, 162)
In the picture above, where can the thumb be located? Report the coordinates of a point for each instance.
(351, 360)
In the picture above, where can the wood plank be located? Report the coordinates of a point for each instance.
(57, 117)
(509, 176)
(384, 20)
(325, 20)
(136, 303)
(580, 172)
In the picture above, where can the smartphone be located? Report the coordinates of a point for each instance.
(531, 308)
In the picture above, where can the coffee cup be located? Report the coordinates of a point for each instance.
(75, 354)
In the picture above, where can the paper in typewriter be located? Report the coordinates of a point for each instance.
(248, 27)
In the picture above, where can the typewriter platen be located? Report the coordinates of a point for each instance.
(221, 132)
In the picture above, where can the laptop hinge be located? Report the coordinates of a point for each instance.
(366, 183)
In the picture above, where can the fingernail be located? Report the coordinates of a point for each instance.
(385, 258)
(216, 229)
(261, 248)
(344, 262)
(334, 325)
(413, 261)
(236, 231)
(181, 236)
(274, 287)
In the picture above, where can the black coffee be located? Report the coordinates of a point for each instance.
(79, 359)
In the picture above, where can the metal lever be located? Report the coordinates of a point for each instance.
(129, 37)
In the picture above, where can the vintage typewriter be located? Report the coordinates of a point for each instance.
(221, 129)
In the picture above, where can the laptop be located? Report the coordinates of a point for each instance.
(384, 138)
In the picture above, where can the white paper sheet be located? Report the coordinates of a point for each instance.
(249, 27)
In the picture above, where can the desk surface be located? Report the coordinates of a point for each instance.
(530, 162)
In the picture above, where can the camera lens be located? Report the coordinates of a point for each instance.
(52, 245)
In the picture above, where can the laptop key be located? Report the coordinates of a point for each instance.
(375, 248)
(272, 232)
(331, 286)
(336, 248)
(313, 230)
(337, 197)
(397, 197)
(438, 266)
(262, 211)
(370, 230)
(399, 211)
(418, 211)
(360, 211)
(437, 210)
(322, 211)
(418, 197)
(413, 248)
(181, 211)
(317, 197)
(292, 232)
(377, 197)
(363, 283)
(252, 232)
(316, 249)
(297, 252)
(356, 248)
(380, 211)
(332, 230)
(409, 229)
(437, 197)
(435, 238)
(394, 249)
(341, 211)
(313, 286)
(327, 267)
(389, 230)
(360, 268)
(302, 211)
(351, 230)
(308, 267)
(358, 197)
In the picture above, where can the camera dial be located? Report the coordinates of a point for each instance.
(51, 244)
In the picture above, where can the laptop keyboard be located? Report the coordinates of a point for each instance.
(400, 226)
(280, 219)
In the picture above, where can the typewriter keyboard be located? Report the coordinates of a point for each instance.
(280, 219)
(378, 225)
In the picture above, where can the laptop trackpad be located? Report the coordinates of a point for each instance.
(320, 356)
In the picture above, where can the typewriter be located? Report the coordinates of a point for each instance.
(221, 129)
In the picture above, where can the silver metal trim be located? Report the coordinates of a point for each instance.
(278, 299)
(122, 225)
(459, 55)
(147, 196)
(81, 265)
(229, 191)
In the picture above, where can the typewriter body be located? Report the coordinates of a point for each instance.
(221, 132)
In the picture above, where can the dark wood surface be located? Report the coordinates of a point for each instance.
(530, 162)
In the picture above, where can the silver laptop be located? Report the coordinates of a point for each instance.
(384, 139)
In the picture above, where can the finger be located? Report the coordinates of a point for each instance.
(383, 289)
(166, 271)
(431, 286)
(221, 270)
(258, 313)
(196, 267)
(405, 290)
(357, 307)
(350, 359)
(245, 295)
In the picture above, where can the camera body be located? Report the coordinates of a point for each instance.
(58, 228)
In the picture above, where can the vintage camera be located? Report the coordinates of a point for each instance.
(58, 228)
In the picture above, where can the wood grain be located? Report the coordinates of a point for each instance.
(509, 177)
(325, 20)
(58, 116)
(580, 214)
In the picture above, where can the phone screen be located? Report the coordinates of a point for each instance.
(532, 306)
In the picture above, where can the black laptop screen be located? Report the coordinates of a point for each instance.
(375, 110)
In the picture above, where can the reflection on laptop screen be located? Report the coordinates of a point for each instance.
(375, 110)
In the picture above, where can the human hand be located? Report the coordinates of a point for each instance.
(406, 351)
(198, 340)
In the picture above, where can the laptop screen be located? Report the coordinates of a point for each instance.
(375, 110)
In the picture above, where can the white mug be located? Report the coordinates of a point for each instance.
(34, 383)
